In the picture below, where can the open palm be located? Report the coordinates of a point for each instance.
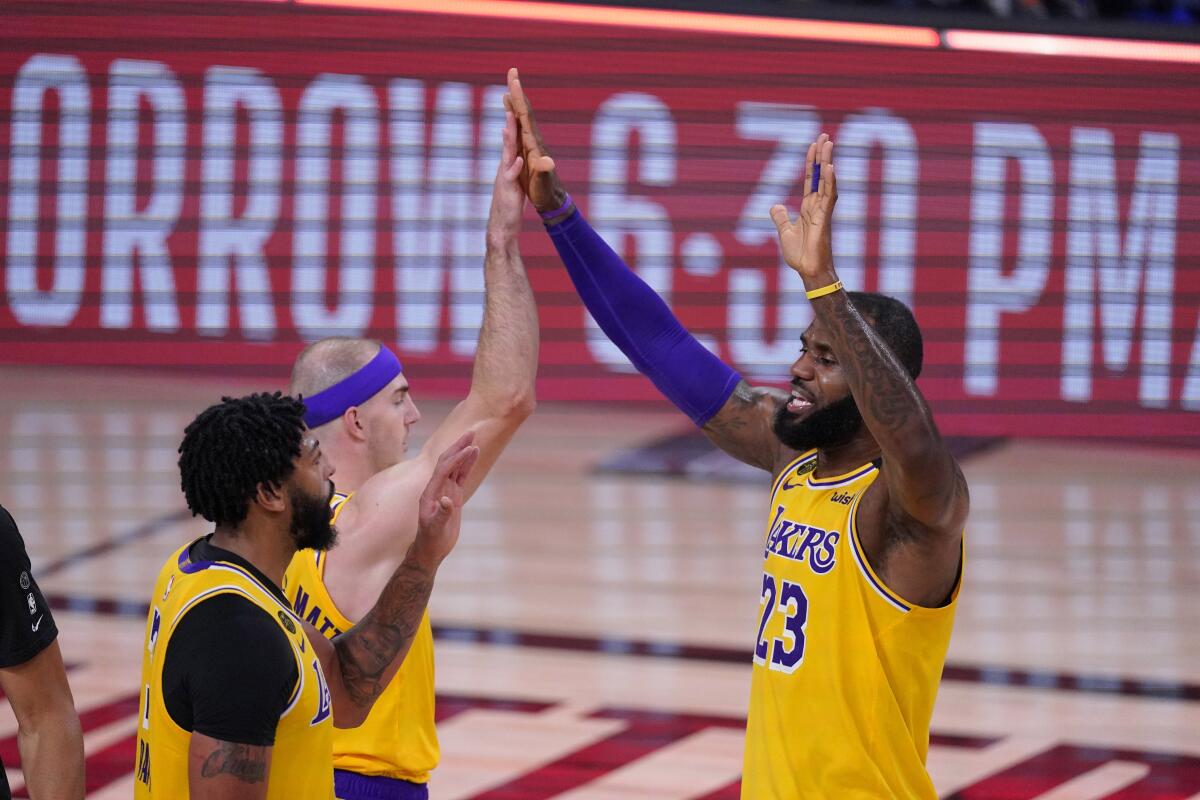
(538, 177)
(439, 511)
(807, 243)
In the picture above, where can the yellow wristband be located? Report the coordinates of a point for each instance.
(824, 290)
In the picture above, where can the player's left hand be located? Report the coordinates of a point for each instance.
(439, 510)
(508, 198)
(807, 244)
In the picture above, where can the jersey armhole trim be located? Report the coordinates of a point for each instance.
(881, 588)
(865, 568)
(300, 672)
(225, 588)
(336, 505)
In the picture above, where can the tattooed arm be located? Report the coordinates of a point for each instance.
(359, 663)
(742, 428)
(926, 498)
(220, 770)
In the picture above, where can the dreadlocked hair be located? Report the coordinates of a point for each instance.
(896, 325)
(235, 446)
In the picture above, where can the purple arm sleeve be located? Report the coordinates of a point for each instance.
(637, 321)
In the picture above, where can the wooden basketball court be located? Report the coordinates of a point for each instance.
(595, 629)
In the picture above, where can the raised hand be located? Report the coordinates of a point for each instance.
(807, 244)
(439, 511)
(538, 177)
(508, 195)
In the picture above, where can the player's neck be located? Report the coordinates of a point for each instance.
(350, 476)
(847, 457)
(265, 548)
(353, 467)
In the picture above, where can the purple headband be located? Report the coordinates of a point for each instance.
(356, 389)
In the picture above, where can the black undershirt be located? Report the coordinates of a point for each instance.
(26, 624)
(229, 670)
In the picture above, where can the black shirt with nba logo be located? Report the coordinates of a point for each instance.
(26, 624)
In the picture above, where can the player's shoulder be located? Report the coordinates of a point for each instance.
(234, 617)
(226, 652)
(12, 546)
(8, 528)
(408, 477)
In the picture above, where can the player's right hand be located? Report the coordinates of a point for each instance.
(508, 196)
(439, 511)
(807, 243)
(538, 176)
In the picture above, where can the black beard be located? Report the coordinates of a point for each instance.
(834, 425)
(311, 528)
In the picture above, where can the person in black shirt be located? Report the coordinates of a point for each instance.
(34, 680)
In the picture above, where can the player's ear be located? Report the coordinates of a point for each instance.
(270, 497)
(352, 424)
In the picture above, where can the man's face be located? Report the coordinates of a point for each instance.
(821, 412)
(386, 419)
(309, 492)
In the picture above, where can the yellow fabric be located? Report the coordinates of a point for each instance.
(844, 677)
(304, 737)
(398, 738)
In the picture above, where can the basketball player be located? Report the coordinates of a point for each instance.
(863, 546)
(240, 695)
(34, 680)
(361, 408)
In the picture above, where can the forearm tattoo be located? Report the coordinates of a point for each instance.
(366, 651)
(894, 410)
(742, 427)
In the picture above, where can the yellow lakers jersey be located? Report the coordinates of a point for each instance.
(398, 739)
(845, 671)
(300, 765)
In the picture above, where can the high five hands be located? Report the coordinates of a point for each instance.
(806, 244)
(538, 178)
(508, 194)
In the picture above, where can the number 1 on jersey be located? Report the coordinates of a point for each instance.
(787, 652)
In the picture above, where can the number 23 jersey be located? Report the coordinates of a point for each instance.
(845, 671)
